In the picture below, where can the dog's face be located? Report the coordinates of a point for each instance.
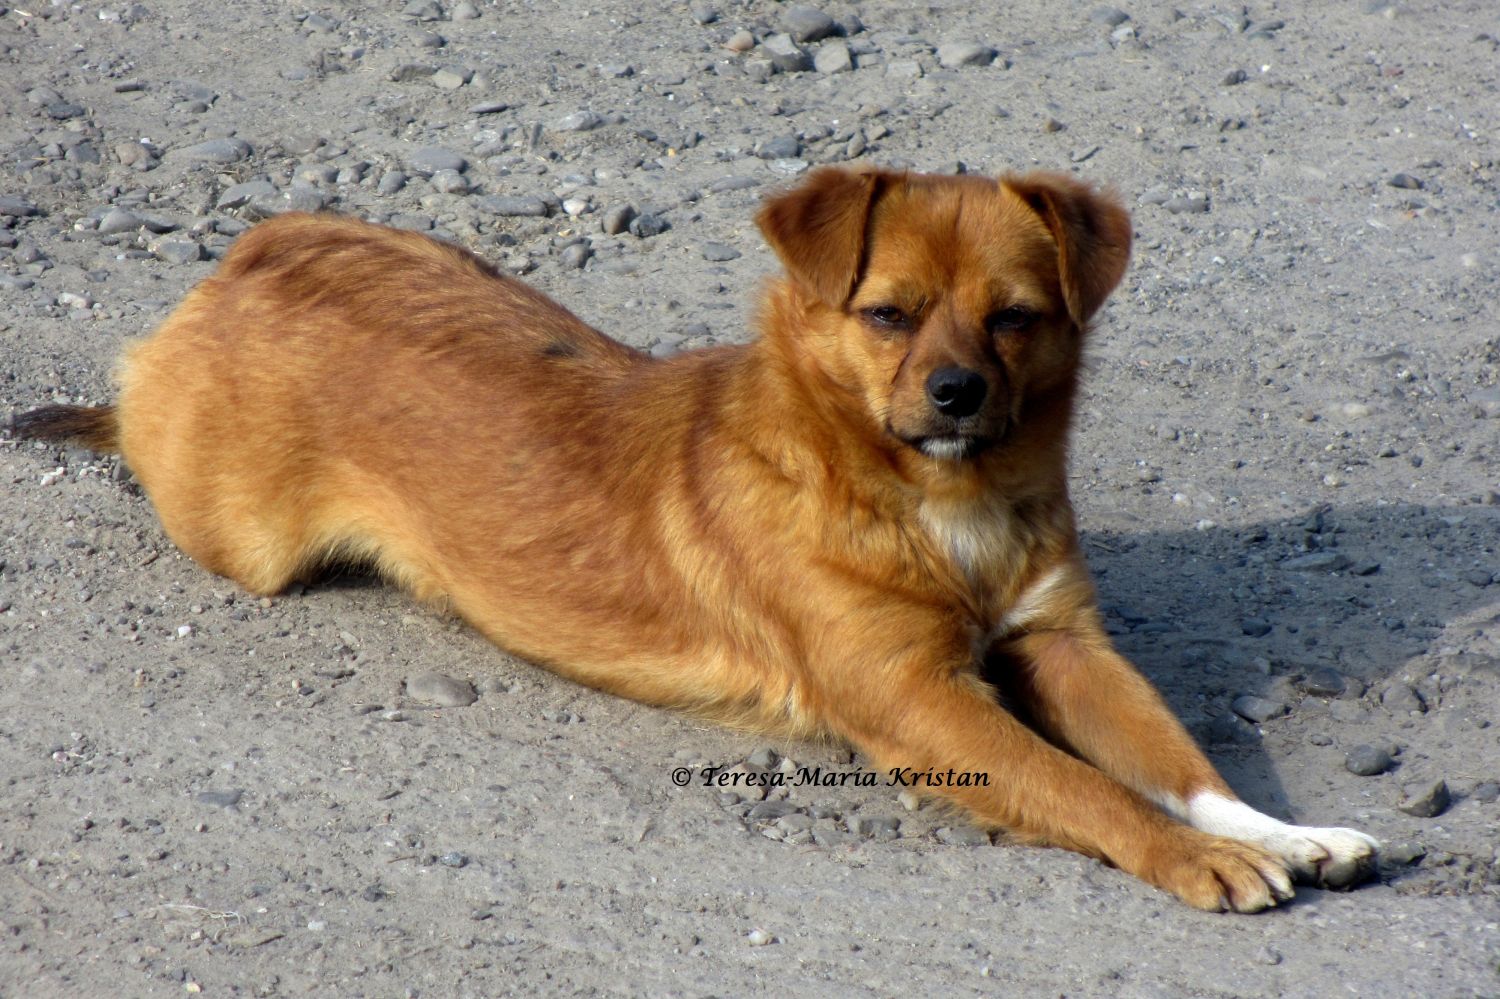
(947, 303)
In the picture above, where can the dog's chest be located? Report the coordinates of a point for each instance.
(986, 543)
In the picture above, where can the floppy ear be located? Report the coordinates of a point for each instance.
(1092, 230)
(818, 229)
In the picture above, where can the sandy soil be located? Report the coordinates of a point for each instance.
(1286, 469)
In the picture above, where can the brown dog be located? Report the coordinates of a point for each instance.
(823, 532)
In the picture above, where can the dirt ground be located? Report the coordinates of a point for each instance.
(1285, 466)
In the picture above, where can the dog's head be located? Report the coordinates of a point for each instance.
(947, 304)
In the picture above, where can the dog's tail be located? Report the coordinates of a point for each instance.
(94, 427)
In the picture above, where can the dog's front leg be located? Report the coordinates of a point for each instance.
(947, 724)
(1085, 696)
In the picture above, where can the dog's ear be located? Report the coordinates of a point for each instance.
(1092, 230)
(818, 229)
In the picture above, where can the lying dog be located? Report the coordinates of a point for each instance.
(827, 531)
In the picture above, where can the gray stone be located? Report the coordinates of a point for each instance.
(449, 182)
(512, 205)
(773, 809)
(488, 107)
(646, 226)
(1406, 182)
(578, 121)
(785, 54)
(964, 835)
(430, 159)
(878, 826)
(178, 251)
(1235, 77)
(453, 859)
(1317, 562)
(1255, 627)
(1367, 761)
(449, 78)
(219, 799)
(390, 182)
(807, 24)
(833, 57)
(762, 759)
(1323, 682)
(703, 14)
(1401, 698)
(957, 54)
(118, 220)
(780, 147)
(1110, 17)
(1425, 799)
(238, 195)
(1258, 709)
(617, 219)
(1179, 205)
(795, 822)
(719, 252)
(443, 691)
(575, 256)
(410, 71)
(227, 150)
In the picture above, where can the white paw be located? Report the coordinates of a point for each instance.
(1328, 858)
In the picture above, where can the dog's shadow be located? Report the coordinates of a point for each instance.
(1371, 593)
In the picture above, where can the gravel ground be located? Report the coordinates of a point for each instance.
(1286, 469)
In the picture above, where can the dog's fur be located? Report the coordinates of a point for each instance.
(804, 534)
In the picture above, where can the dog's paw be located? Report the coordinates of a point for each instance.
(1327, 858)
(1218, 874)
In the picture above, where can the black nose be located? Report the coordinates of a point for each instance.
(956, 392)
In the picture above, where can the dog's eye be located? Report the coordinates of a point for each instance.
(1010, 320)
(887, 316)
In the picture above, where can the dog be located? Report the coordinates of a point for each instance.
(829, 531)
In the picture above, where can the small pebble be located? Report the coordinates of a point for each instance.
(957, 54)
(833, 57)
(1190, 205)
(118, 220)
(740, 41)
(579, 121)
(1367, 761)
(443, 691)
(430, 159)
(1406, 182)
(449, 182)
(1425, 799)
(1255, 627)
(1401, 698)
(759, 938)
(227, 150)
(807, 24)
(1317, 562)
(964, 835)
(646, 226)
(178, 251)
(513, 205)
(575, 256)
(1258, 709)
(785, 54)
(719, 252)
(1323, 682)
